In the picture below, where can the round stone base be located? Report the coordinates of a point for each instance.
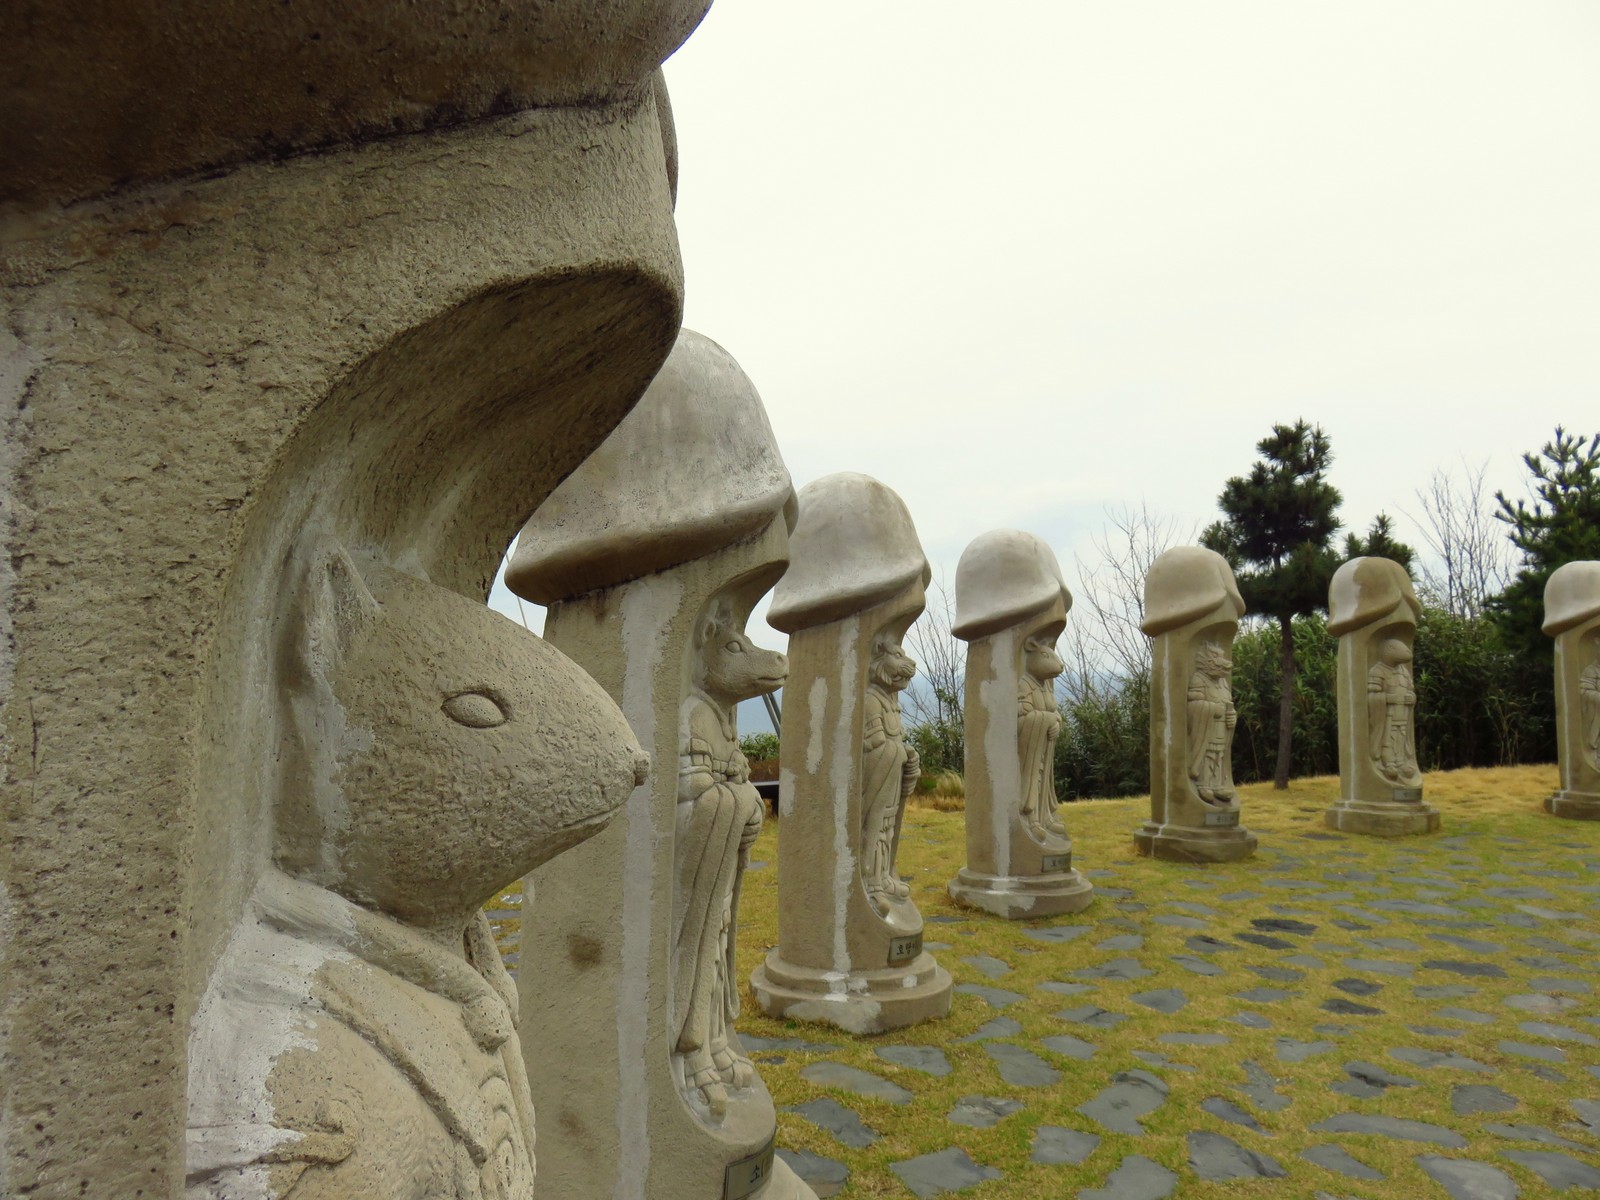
(1185, 843)
(1378, 819)
(1577, 806)
(783, 1184)
(1019, 896)
(860, 1002)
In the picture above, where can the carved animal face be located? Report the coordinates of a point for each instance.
(1039, 658)
(733, 668)
(450, 750)
(892, 668)
(1213, 661)
(1393, 652)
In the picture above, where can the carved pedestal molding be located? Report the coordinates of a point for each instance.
(650, 557)
(1572, 617)
(1011, 606)
(1192, 609)
(849, 947)
(1373, 611)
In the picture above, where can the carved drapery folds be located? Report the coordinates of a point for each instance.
(1572, 618)
(890, 769)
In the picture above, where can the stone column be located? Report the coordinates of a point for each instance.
(1011, 606)
(1373, 612)
(849, 947)
(650, 557)
(1572, 617)
(1192, 608)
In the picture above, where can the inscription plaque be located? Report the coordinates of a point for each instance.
(745, 1177)
(1055, 862)
(1227, 817)
(1408, 795)
(905, 948)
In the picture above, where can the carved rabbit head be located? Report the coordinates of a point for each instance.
(729, 667)
(1039, 656)
(433, 750)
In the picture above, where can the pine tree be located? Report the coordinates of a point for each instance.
(1277, 531)
(1380, 542)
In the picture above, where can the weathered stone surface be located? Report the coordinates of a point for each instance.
(992, 996)
(825, 1176)
(1337, 1159)
(1465, 1179)
(944, 1171)
(1559, 1171)
(844, 1123)
(1092, 1014)
(1136, 1178)
(1293, 1050)
(1349, 1008)
(1069, 1046)
(1534, 1133)
(1458, 967)
(930, 1060)
(1214, 1157)
(1000, 1027)
(988, 965)
(1468, 1098)
(1117, 968)
(852, 1079)
(1195, 1039)
(1251, 1020)
(1558, 1033)
(1394, 1127)
(980, 1112)
(1419, 1057)
(1132, 1094)
(1227, 1110)
(1021, 1068)
(1358, 987)
(1529, 1050)
(1163, 1000)
(1199, 966)
(1055, 1146)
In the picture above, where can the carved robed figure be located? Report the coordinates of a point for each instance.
(650, 558)
(1011, 606)
(1572, 618)
(849, 947)
(1373, 611)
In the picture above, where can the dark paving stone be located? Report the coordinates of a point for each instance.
(850, 1079)
(1279, 974)
(1392, 1127)
(981, 1112)
(1470, 1016)
(1436, 1031)
(1137, 1178)
(1000, 1027)
(1262, 995)
(1464, 1179)
(1132, 1094)
(1419, 1057)
(842, 1122)
(1163, 1000)
(1471, 945)
(1179, 921)
(1444, 991)
(1343, 923)
(1258, 1088)
(1122, 941)
(1527, 1050)
(1093, 1015)
(1065, 989)
(1227, 1110)
(1393, 943)
(1055, 1146)
(988, 965)
(1578, 987)
(1069, 1047)
(1281, 925)
(1055, 934)
(1265, 940)
(826, 1177)
(1474, 969)
(1535, 1133)
(1588, 1112)
(1117, 968)
(1161, 1062)
(930, 1060)
(937, 946)
(1349, 1008)
(1214, 1157)
(1195, 1039)
(1251, 1020)
(1021, 1068)
(1415, 908)
(1358, 987)
(1198, 965)
(1557, 1170)
(1329, 1029)
(1469, 1098)
(1309, 961)
(1549, 1074)
(1336, 1159)
(944, 1171)
(1188, 906)
(1296, 885)
(992, 996)
(1558, 1033)
(1291, 1050)
(755, 1045)
(1376, 1077)
(944, 920)
(1202, 944)
(1379, 966)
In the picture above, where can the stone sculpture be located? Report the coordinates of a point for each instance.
(849, 947)
(1373, 611)
(650, 564)
(1572, 617)
(1011, 606)
(1192, 608)
(368, 275)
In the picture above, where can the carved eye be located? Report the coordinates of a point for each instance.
(475, 710)
(735, 647)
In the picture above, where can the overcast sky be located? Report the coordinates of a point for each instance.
(1023, 261)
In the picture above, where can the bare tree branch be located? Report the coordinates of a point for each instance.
(1472, 553)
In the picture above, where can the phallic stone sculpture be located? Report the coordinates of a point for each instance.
(650, 558)
(849, 947)
(1373, 611)
(1011, 606)
(1192, 608)
(1572, 617)
(218, 352)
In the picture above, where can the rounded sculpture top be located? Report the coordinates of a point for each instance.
(1004, 577)
(222, 81)
(1184, 583)
(693, 468)
(854, 546)
(1571, 596)
(1365, 590)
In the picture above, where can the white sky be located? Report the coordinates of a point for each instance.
(1025, 261)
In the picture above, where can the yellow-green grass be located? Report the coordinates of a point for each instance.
(1481, 805)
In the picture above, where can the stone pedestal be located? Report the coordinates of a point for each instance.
(1572, 617)
(1373, 611)
(650, 564)
(1011, 606)
(1192, 609)
(855, 584)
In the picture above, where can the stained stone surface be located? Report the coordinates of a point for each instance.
(1132, 1094)
(1465, 1179)
(1136, 1178)
(980, 1112)
(844, 1123)
(1213, 1156)
(853, 1079)
(947, 1170)
(930, 1060)
(826, 1176)
(1337, 1159)
(1559, 1171)
(1019, 1067)
(1055, 1146)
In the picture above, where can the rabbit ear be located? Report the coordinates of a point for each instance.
(330, 604)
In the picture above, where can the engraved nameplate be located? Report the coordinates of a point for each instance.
(745, 1177)
(904, 949)
(1227, 817)
(1408, 795)
(1055, 862)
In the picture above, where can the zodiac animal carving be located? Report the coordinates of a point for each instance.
(889, 770)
